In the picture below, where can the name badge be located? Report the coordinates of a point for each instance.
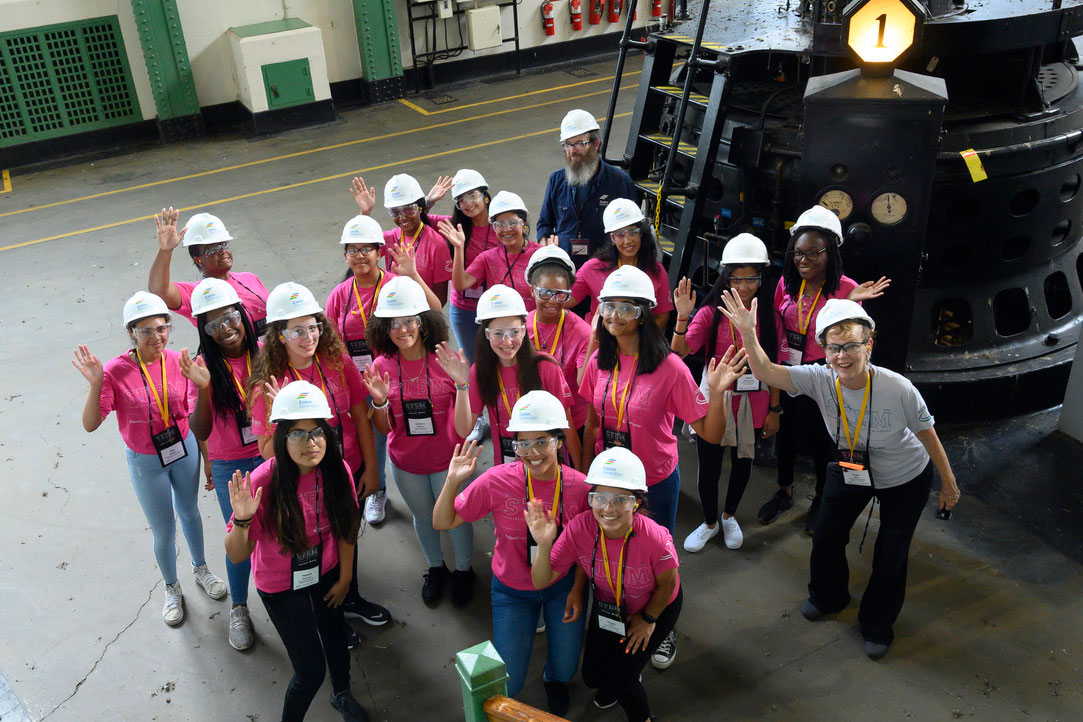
(259, 326)
(474, 291)
(855, 468)
(169, 445)
(244, 428)
(747, 383)
(796, 343)
(610, 617)
(418, 418)
(616, 437)
(360, 353)
(507, 450)
(580, 248)
(306, 567)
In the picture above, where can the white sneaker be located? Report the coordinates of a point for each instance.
(731, 532)
(173, 611)
(374, 507)
(480, 431)
(240, 628)
(699, 537)
(212, 585)
(666, 652)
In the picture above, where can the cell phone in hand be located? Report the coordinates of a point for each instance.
(944, 514)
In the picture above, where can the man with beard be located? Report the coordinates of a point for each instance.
(577, 194)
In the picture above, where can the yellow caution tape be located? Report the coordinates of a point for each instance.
(973, 164)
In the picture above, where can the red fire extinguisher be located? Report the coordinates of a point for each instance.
(595, 15)
(575, 6)
(547, 18)
(656, 8)
(614, 10)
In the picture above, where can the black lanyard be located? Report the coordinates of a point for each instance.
(428, 381)
(508, 275)
(319, 531)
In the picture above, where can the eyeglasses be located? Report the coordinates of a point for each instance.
(469, 198)
(620, 309)
(810, 255)
(405, 322)
(524, 447)
(300, 437)
(361, 251)
(602, 499)
(578, 144)
(232, 318)
(215, 249)
(745, 280)
(148, 331)
(501, 334)
(629, 233)
(508, 225)
(551, 294)
(847, 348)
(403, 211)
(297, 332)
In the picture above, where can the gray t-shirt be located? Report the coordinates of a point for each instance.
(895, 412)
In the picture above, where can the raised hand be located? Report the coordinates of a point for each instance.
(463, 463)
(166, 222)
(733, 309)
(89, 365)
(542, 525)
(363, 195)
(439, 190)
(550, 241)
(403, 260)
(722, 373)
(240, 495)
(684, 298)
(454, 234)
(870, 289)
(379, 386)
(453, 363)
(195, 371)
(271, 388)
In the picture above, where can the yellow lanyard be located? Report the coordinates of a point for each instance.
(402, 236)
(297, 374)
(733, 337)
(620, 569)
(851, 442)
(236, 381)
(556, 495)
(361, 306)
(163, 405)
(802, 323)
(500, 380)
(627, 384)
(556, 338)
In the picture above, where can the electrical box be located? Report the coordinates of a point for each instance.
(484, 27)
(288, 83)
(444, 9)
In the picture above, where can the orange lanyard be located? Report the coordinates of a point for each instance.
(236, 381)
(361, 306)
(163, 404)
(617, 590)
(297, 374)
(556, 495)
(627, 384)
(852, 441)
(500, 379)
(556, 338)
(417, 233)
(803, 322)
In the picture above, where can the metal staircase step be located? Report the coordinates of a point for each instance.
(651, 189)
(663, 140)
(674, 91)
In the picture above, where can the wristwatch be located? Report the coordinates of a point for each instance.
(776, 409)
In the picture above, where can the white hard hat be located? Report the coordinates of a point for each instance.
(144, 304)
(290, 300)
(837, 310)
(212, 293)
(621, 213)
(628, 282)
(204, 229)
(744, 248)
(538, 411)
(577, 122)
(503, 202)
(822, 218)
(549, 254)
(618, 467)
(402, 190)
(362, 229)
(465, 181)
(401, 296)
(300, 400)
(499, 301)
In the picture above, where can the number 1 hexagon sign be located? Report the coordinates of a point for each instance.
(881, 32)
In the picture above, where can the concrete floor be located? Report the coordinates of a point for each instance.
(991, 624)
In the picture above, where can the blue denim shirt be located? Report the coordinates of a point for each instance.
(577, 212)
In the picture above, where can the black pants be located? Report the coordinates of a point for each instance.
(710, 469)
(311, 632)
(801, 430)
(900, 508)
(615, 674)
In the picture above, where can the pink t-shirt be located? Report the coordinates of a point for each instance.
(592, 274)
(502, 492)
(224, 443)
(649, 552)
(420, 454)
(125, 390)
(248, 287)
(341, 308)
(497, 265)
(696, 338)
(787, 309)
(431, 254)
(552, 379)
(482, 238)
(570, 353)
(654, 400)
(271, 568)
(346, 390)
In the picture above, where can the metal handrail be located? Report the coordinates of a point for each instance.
(625, 43)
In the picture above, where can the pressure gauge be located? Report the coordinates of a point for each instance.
(888, 208)
(838, 201)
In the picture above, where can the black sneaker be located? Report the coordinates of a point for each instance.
(352, 640)
(351, 709)
(603, 700)
(433, 587)
(777, 504)
(813, 515)
(366, 611)
(462, 587)
(556, 698)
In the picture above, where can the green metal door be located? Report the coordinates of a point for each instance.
(288, 83)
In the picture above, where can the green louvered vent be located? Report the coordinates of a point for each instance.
(64, 79)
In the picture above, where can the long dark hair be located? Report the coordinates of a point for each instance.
(284, 517)
(765, 309)
(433, 330)
(653, 348)
(225, 399)
(488, 367)
(458, 218)
(791, 277)
(646, 259)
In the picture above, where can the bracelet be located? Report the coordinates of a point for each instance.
(462, 387)
(679, 319)
(242, 523)
(647, 618)
(679, 333)
(382, 406)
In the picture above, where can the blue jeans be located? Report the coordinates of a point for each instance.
(466, 330)
(221, 473)
(420, 492)
(381, 460)
(160, 490)
(662, 500)
(515, 618)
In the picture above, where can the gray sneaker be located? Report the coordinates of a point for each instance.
(240, 628)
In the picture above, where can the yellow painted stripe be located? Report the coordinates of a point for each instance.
(299, 184)
(7, 181)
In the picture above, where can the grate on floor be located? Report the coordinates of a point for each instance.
(442, 99)
(580, 72)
